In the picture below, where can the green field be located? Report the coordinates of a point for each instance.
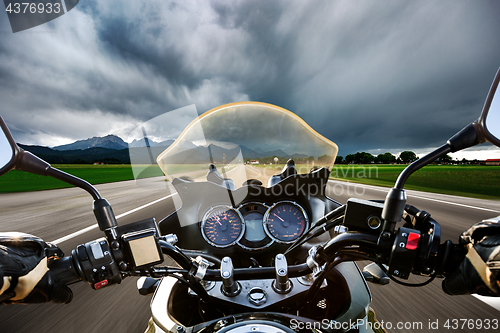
(477, 181)
(19, 181)
(470, 181)
(465, 180)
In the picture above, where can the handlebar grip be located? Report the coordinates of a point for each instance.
(64, 270)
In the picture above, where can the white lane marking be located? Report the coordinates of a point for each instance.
(494, 302)
(457, 204)
(424, 198)
(84, 230)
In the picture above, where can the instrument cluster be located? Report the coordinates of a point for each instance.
(254, 226)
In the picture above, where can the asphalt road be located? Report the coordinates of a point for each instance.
(55, 214)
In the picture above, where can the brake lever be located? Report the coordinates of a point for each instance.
(374, 273)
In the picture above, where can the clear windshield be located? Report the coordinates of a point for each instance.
(244, 141)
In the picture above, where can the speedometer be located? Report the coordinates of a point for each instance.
(285, 221)
(222, 226)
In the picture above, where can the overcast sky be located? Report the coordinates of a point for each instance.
(369, 75)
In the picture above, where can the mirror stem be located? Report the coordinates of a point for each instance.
(421, 162)
(396, 198)
(32, 164)
(67, 178)
(466, 138)
(102, 209)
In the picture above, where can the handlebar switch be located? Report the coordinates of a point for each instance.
(404, 252)
(96, 264)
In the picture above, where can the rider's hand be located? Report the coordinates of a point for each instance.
(479, 271)
(24, 275)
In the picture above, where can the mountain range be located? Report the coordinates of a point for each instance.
(112, 149)
(109, 141)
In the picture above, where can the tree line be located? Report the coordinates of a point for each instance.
(405, 157)
(387, 158)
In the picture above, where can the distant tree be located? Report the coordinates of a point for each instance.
(349, 158)
(386, 158)
(338, 159)
(368, 158)
(363, 158)
(80, 161)
(446, 159)
(408, 156)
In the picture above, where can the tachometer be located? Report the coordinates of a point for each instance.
(285, 221)
(222, 226)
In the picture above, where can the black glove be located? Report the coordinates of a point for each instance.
(479, 271)
(24, 273)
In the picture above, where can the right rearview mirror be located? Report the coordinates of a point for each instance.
(490, 117)
(8, 149)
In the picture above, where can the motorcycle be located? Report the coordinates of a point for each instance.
(255, 243)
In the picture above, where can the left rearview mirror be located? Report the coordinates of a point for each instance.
(490, 117)
(8, 149)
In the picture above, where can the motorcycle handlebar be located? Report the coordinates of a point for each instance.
(258, 273)
(355, 245)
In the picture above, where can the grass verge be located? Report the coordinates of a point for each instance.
(19, 181)
(464, 180)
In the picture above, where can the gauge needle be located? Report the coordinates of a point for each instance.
(279, 217)
(218, 220)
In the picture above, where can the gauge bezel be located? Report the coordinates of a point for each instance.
(279, 203)
(204, 219)
(271, 242)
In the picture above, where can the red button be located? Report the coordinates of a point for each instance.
(412, 242)
(100, 284)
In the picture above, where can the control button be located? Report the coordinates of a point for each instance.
(257, 296)
(82, 254)
(412, 242)
(96, 250)
(99, 285)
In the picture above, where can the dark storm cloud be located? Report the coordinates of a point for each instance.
(366, 74)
